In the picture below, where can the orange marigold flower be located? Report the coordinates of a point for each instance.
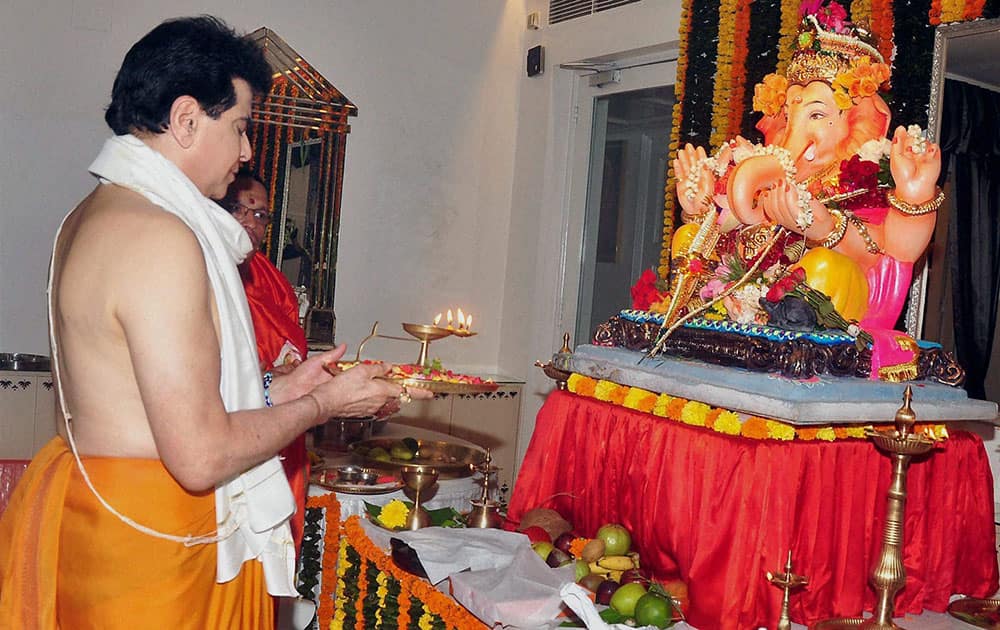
(675, 408)
(841, 433)
(617, 394)
(577, 545)
(769, 95)
(755, 428)
(807, 434)
(586, 387)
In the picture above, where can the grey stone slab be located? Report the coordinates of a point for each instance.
(819, 400)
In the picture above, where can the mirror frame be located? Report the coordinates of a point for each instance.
(943, 34)
(303, 108)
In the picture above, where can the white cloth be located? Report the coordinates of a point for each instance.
(251, 510)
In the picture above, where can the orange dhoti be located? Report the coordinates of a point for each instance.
(67, 562)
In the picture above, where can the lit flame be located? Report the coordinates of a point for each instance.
(461, 319)
(450, 318)
(468, 322)
(437, 319)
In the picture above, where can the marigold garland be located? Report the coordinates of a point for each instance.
(721, 103)
(331, 552)
(737, 87)
(436, 603)
(699, 414)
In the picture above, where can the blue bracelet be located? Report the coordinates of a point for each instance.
(268, 377)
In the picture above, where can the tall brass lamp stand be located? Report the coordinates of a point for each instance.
(889, 575)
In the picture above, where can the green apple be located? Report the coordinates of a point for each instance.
(617, 540)
(582, 570)
(543, 549)
(626, 597)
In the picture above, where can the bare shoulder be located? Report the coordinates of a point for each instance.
(127, 220)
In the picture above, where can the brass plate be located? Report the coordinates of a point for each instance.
(447, 387)
(320, 479)
(450, 459)
(982, 613)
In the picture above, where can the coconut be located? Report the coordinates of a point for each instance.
(549, 520)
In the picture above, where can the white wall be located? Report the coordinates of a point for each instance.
(456, 165)
(535, 316)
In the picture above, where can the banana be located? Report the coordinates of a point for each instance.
(598, 569)
(616, 563)
(616, 576)
(635, 558)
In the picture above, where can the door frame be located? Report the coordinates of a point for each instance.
(579, 188)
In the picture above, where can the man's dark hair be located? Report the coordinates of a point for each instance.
(244, 179)
(193, 56)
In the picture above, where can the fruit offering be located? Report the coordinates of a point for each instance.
(434, 373)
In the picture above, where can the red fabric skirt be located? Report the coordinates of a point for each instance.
(719, 511)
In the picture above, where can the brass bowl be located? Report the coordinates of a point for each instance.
(451, 460)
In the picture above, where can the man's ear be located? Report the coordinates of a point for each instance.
(185, 114)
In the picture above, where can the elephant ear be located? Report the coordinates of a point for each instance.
(868, 120)
(773, 127)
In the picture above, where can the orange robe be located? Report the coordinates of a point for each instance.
(67, 562)
(274, 309)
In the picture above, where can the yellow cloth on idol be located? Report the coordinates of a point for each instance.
(67, 562)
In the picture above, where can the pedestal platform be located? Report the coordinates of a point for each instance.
(819, 400)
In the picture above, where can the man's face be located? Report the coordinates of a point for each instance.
(222, 144)
(252, 212)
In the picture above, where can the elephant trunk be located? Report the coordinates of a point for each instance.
(747, 179)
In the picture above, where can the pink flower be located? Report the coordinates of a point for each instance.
(712, 289)
(833, 17)
(810, 7)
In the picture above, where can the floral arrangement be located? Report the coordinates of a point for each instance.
(699, 414)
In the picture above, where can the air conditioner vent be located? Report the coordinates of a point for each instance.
(562, 10)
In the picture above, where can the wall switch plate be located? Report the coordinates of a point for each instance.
(536, 61)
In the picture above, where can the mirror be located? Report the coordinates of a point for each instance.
(962, 286)
(299, 138)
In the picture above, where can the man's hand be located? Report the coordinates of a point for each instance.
(358, 392)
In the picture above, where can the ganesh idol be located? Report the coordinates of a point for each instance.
(860, 206)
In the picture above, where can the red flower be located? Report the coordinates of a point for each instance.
(644, 292)
(785, 285)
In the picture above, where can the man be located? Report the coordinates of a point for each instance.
(155, 363)
(274, 306)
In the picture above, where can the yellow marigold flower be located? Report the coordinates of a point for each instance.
(393, 514)
(604, 390)
(425, 622)
(843, 100)
(826, 434)
(634, 398)
(728, 423)
(573, 382)
(856, 432)
(694, 413)
(780, 431)
(661, 404)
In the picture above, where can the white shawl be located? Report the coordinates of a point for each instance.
(252, 510)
